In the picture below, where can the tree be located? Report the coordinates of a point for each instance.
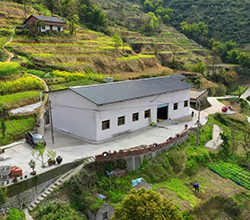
(240, 91)
(198, 82)
(117, 41)
(199, 68)
(145, 205)
(38, 153)
(73, 20)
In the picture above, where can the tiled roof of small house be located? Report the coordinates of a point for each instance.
(108, 93)
(47, 19)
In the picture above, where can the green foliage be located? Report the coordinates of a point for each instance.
(24, 83)
(3, 195)
(240, 91)
(15, 214)
(225, 19)
(161, 11)
(14, 100)
(183, 192)
(16, 128)
(117, 40)
(243, 105)
(198, 68)
(3, 128)
(232, 172)
(32, 164)
(51, 154)
(146, 205)
(8, 68)
(57, 211)
(38, 153)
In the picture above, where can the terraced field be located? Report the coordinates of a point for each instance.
(232, 172)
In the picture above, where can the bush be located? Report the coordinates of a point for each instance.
(191, 167)
(15, 214)
(57, 211)
(8, 68)
(220, 90)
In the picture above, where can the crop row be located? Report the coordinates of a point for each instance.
(16, 128)
(232, 172)
(24, 83)
(69, 77)
(8, 68)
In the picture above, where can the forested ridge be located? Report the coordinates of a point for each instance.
(226, 20)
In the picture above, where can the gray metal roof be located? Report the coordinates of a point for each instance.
(178, 76)
(49, 19)
(126, 90)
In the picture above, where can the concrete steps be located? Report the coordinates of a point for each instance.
(59, 182)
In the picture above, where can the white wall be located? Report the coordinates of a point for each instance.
(74, 114)
(127, 108)
(54, 28)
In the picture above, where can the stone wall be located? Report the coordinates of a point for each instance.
(134, 157)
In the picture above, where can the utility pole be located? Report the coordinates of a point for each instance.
(51, 122)
(198, 129)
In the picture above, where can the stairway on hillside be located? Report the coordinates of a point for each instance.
(58, 183)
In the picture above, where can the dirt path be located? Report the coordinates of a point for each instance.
(40, 118)
(10, 55)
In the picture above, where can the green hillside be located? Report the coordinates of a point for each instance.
(226, 20)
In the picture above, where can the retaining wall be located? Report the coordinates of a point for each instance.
(134, 157)
(25, 191)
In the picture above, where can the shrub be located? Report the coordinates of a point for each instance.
(191, 167)
(57, 211)
(15, 214)
(8, 68)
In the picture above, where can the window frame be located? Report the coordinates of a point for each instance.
(135, 117)
(147, 113)
(185, 103)
(121, 120)
(106, 122)
(175, 106)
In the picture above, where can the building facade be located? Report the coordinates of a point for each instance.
(100, 112)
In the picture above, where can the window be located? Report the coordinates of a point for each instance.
(136, 116)
(186, 103)
(105, 125)
(121, 120)
(105, 215)
(147, 114)
(59, 28)
(43, 27)
(175, 106)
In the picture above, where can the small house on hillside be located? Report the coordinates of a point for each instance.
(102, 111)
(47, 23)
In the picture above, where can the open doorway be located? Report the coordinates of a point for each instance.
(162, 112)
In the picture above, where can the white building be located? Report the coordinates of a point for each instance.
(102, 111)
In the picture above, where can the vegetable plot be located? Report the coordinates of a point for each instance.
(232, 172)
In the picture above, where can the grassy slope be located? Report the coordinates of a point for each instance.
(170, 175)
